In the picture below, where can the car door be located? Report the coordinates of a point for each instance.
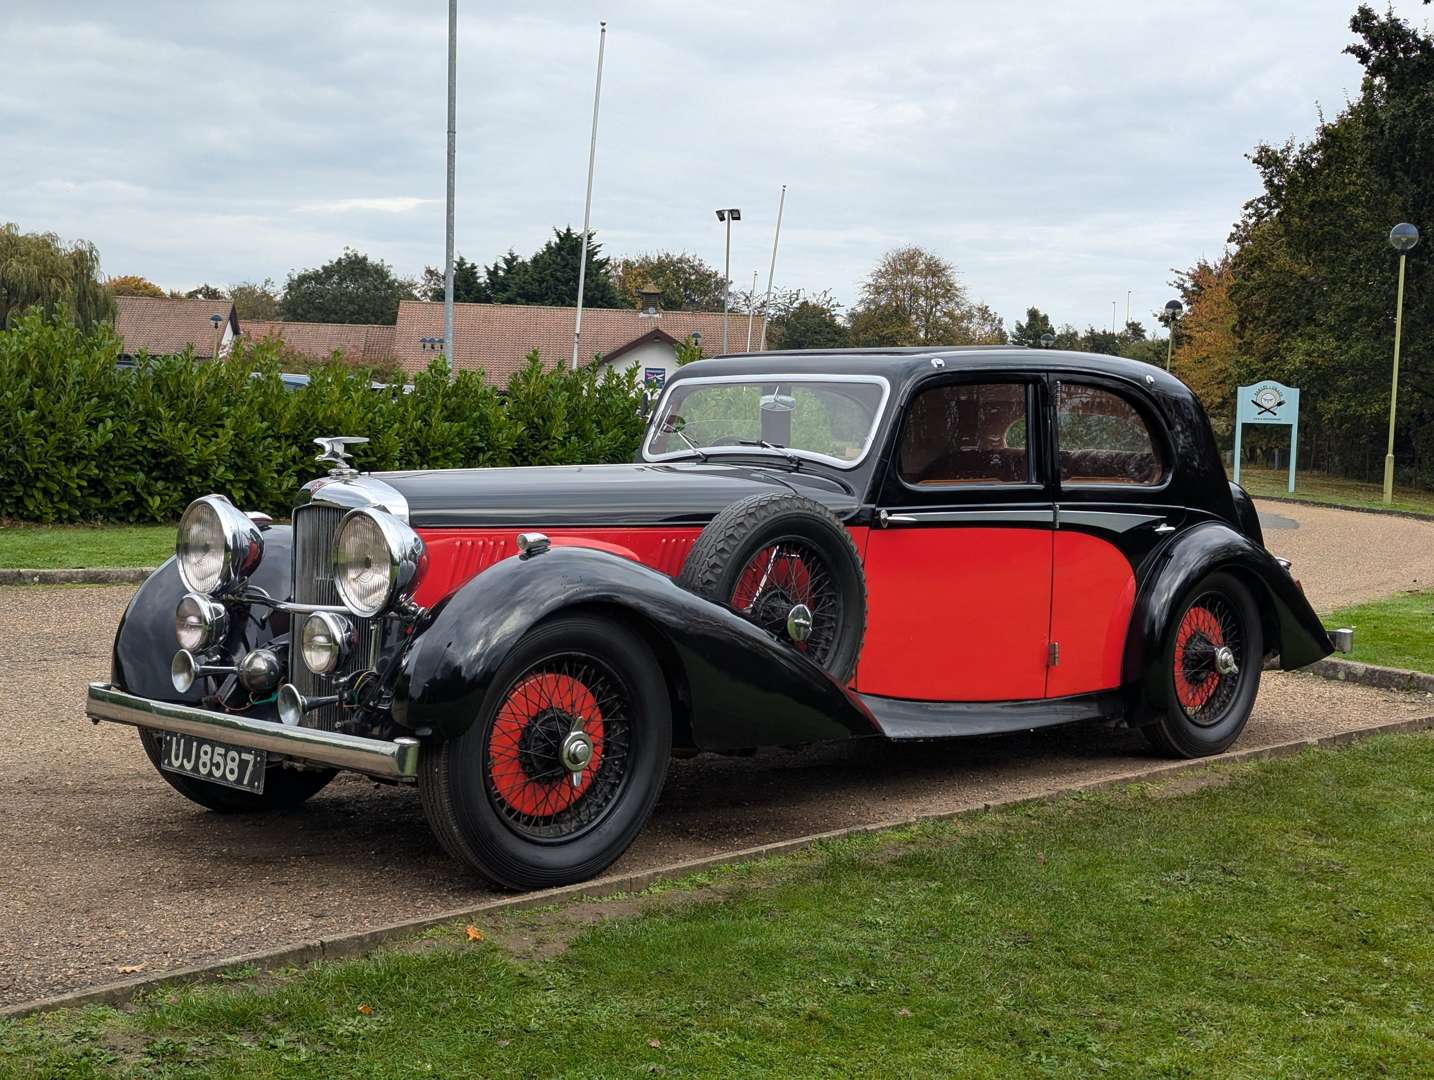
(1113, 463)
(958, 561)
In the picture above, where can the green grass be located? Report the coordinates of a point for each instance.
(1318, 487)
(1256, 927)
(51, 547)
(1397, 631)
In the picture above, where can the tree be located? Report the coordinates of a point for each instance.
(881, 325)
(1030, 332)
(812, 324)
(133, 285)
(916, 288)
(352, 288)
(201, 292)
(255, 300)
(38, 270)
(686, 282)
(1208, 358)
(550, 277)
(468, 285)
(976, 324)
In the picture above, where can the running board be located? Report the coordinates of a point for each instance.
(902, 719)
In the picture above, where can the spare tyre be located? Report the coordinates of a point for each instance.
(787, 564)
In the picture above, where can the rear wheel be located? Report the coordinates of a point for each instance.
(1211, 662)
(284, 788)
(788, 565)
(562, 767)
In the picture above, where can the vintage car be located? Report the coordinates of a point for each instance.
(900, 544)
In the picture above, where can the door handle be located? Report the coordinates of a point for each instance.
(886, 519)
(1165, 528)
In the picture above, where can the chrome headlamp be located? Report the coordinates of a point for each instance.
(378, 561)
(199, 622)
(327, 638)
(218, 546)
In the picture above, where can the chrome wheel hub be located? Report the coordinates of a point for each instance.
(576, 753)
(799, 623)
(1225, 662)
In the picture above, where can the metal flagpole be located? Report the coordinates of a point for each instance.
(588, 203)
(452, 145)
(772, 269)
(751, 310)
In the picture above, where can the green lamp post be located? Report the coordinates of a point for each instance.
(1172, 312)
(1402, 239)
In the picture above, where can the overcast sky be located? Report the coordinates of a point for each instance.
(1058, 154)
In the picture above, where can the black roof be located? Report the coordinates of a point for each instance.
(903, 364)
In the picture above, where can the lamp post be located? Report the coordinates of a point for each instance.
(1172, 312)
(1047, 340)
(729, 215)
(1402, 239)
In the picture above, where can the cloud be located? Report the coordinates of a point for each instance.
(1058, 154)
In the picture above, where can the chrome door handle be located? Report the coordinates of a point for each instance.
(886, 519)
(1166, 528)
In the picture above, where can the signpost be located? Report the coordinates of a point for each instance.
(1268, 403)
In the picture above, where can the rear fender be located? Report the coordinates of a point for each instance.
(739, 686)
(1290, 625)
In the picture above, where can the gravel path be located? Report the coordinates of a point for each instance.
(1346, 558)
(108, 870)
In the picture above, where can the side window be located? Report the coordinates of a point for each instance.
(966, 433)
(1103, 439)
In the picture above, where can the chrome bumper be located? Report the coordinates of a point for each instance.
(394, 760)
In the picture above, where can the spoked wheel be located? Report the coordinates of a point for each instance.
(788, 589)
(561, 769)
(787, 564)
(1213, 659)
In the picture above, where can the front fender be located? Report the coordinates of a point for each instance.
(1291, 625)
(144, 643)
(738, 686)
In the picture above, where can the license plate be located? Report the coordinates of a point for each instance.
(217, 762)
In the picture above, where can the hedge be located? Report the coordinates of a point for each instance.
(83, 440)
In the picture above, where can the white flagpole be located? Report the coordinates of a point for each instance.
(588, 203)
(452, 143)
(772, 269)
(751, 310)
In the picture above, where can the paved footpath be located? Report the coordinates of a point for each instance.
(106, 869)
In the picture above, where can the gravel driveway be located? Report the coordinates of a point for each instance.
(108, 870)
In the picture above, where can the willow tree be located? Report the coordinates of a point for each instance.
(38, 269)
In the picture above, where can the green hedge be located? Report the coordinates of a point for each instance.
(81, 440)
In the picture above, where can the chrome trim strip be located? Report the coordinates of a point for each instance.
(685, 453)
(992, 516)
(394, 760)
(355, 493)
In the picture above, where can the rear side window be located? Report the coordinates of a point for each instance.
(1104, 439)
(966, 433)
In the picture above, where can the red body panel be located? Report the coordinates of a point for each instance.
(1091, 601)
(957, 614)
(455, 555)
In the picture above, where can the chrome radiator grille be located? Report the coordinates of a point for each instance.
(314, 529)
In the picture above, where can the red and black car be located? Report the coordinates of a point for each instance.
(899, 544)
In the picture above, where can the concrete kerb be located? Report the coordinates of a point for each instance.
(308, 952)
(106, 575)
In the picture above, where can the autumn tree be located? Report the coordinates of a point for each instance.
(40, 270)
(255, 299)
(913, 297)
(133, 285)
(1207, 357)
(685, 281)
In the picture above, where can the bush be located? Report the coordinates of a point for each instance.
(83, 440)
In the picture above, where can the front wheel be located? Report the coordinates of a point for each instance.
(1211, 666)
(561, 768)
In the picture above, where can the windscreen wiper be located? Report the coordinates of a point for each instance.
(765, 445)
(669, 429)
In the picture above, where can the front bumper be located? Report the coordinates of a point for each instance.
(395, 759)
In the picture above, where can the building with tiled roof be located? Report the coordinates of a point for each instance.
(159, 326)
(497, 338)
(360, 343)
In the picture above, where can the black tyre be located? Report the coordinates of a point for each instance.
(767, 554)
(564, 763)
(284, 788)
(1211, 668)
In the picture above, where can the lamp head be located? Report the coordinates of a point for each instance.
(1403, 237)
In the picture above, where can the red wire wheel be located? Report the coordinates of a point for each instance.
(779, 577)
(1209, 644)
(556, 752)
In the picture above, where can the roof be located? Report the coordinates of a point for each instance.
(498, 337)
(160, 326)
(359, 342)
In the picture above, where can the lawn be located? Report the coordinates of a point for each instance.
(49, 547)
(1319, 487)
(1397, 631)
(1247, 925)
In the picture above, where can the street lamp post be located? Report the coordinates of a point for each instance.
(1172, 310)
(1402, 239)
(729, 215)
(1047, 340)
